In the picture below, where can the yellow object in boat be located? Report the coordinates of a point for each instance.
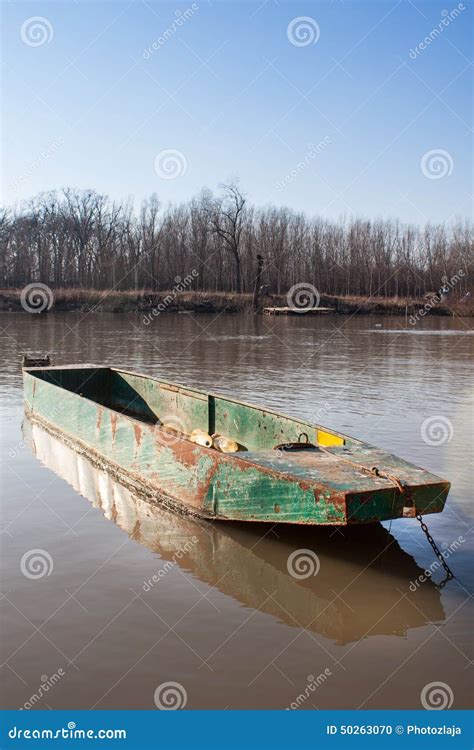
(225, 445)
(328, 439)
(201, 438)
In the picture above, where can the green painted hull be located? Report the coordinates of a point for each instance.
(115, 415)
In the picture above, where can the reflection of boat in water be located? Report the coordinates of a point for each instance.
(362, 585)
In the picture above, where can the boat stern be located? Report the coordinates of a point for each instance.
(389, 503)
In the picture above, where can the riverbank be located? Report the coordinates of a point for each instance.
(155, 303)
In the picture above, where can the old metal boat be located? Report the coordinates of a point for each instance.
(219, 458)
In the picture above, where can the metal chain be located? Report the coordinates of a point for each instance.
(449, 573)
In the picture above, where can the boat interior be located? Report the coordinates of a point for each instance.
(153, 401)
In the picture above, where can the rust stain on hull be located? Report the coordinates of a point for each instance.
(138, 434)
(113, 424)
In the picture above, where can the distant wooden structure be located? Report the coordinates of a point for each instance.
(36, 360)
(294, 311)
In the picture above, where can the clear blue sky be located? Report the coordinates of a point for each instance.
(232, 93)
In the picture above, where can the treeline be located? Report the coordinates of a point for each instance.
(79, 238)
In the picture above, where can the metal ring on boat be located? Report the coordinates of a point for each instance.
(299, 446)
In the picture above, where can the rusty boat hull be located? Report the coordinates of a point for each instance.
(139, 428)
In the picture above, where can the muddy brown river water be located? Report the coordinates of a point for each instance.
(106, 599)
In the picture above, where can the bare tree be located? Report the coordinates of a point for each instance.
(226, 216)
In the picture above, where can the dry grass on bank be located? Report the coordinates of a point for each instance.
(94, 300)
